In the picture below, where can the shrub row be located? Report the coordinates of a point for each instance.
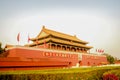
(112, 75)
(93, 74)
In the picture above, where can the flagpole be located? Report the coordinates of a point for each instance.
(18, 42)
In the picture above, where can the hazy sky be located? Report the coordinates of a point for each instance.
(95, 21)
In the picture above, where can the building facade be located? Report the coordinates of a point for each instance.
(51, 49)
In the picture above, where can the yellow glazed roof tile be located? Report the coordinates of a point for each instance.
(59, 34)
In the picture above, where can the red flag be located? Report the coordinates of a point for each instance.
(100, 50)
(103, 51)
(28, 38)
(18, 37)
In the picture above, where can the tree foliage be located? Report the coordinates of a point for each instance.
(110, 58)
(1, 49)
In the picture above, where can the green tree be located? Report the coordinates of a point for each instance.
(110, 59)
(1, 49)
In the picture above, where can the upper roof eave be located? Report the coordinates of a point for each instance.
(62, 35)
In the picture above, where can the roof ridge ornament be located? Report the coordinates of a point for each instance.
(75, 36)
(43, 27)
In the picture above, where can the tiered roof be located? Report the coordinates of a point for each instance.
(59, 38)
(48, 32)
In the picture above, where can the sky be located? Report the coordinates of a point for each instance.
(94, 21)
